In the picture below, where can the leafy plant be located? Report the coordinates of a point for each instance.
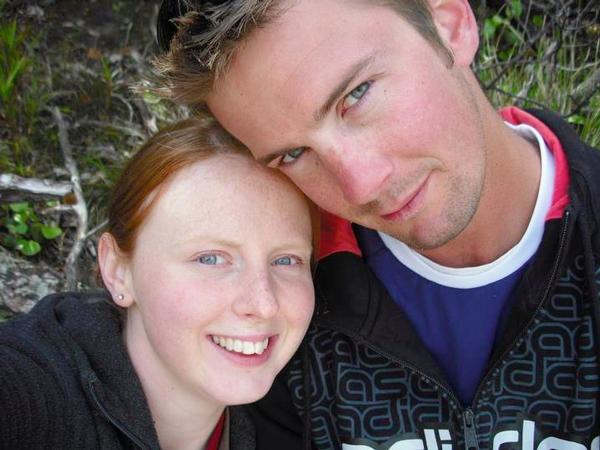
(25, 230)
(500, 29)
(21, 96)
(539, 55)
(12, 61)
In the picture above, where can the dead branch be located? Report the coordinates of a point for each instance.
(15, 188)
(97, 228)
(125, 102)
(80, 207)
(148, 119)
(127, 129)
(588, 88)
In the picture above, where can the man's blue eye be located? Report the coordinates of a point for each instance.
(210, 260)
(356, 94)
(360, 90)
(293, 155)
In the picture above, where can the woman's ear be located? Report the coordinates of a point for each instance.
(114, 268)
(456, 25)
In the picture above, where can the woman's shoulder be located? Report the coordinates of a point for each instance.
(50, 317)
(41, 361)
(41, 340)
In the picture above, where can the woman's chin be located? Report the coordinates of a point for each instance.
(242, 393)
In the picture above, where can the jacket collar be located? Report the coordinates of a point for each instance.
(583, 162)
(93, 326)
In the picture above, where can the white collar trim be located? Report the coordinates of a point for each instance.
(512, 260)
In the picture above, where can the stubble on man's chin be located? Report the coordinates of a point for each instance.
(450, 224)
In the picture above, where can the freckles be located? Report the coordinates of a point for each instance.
(303, 309)
(179, 305)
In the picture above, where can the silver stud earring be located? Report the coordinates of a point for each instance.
(120, 297)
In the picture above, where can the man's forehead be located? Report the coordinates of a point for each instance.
(303, 35)
(289, 67)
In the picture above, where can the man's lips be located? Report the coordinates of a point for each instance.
(409, 206)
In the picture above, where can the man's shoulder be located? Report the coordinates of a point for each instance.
(573, 145)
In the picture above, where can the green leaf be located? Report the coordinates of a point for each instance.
(20, 217)
(497, 20)
(9, 241)
(18, 228)
(576, 119)
(19, 207)
(8, 83)
(489, 28)
(28, 247)
(516, 8)
(538, 20)
(51, 232)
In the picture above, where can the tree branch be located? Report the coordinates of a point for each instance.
(588, 88)
(80, 207)
(16, 188)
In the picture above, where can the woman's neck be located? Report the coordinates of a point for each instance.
(180, 427)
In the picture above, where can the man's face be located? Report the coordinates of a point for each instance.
(351, 103)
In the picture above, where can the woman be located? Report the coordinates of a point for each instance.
(207, 259)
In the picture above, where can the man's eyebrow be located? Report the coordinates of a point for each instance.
(343, 85)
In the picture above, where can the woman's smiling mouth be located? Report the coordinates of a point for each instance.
(245, 347)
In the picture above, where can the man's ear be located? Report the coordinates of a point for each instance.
(116, 274)
(456, 24)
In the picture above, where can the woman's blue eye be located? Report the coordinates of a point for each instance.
(210, 259)
(356, 94)
(292, 156)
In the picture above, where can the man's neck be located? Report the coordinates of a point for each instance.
(506, 206)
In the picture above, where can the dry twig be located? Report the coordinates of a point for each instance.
(80, 207)
(588, 88)
(16, 188)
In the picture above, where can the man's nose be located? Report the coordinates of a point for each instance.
(359, 172)
(256, 297)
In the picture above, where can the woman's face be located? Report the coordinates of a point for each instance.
(221, 283)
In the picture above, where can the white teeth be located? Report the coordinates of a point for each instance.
(248, 348)
(239, 346)
(259, 347)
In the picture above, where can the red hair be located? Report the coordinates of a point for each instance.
(158, 160)
(162, 156)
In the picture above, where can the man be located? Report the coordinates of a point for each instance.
(458, 275)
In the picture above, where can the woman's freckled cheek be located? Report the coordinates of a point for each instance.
(186, 305)
(304, 309)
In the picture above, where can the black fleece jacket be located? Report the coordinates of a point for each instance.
(66, 381)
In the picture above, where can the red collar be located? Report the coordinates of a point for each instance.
(215, 438)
